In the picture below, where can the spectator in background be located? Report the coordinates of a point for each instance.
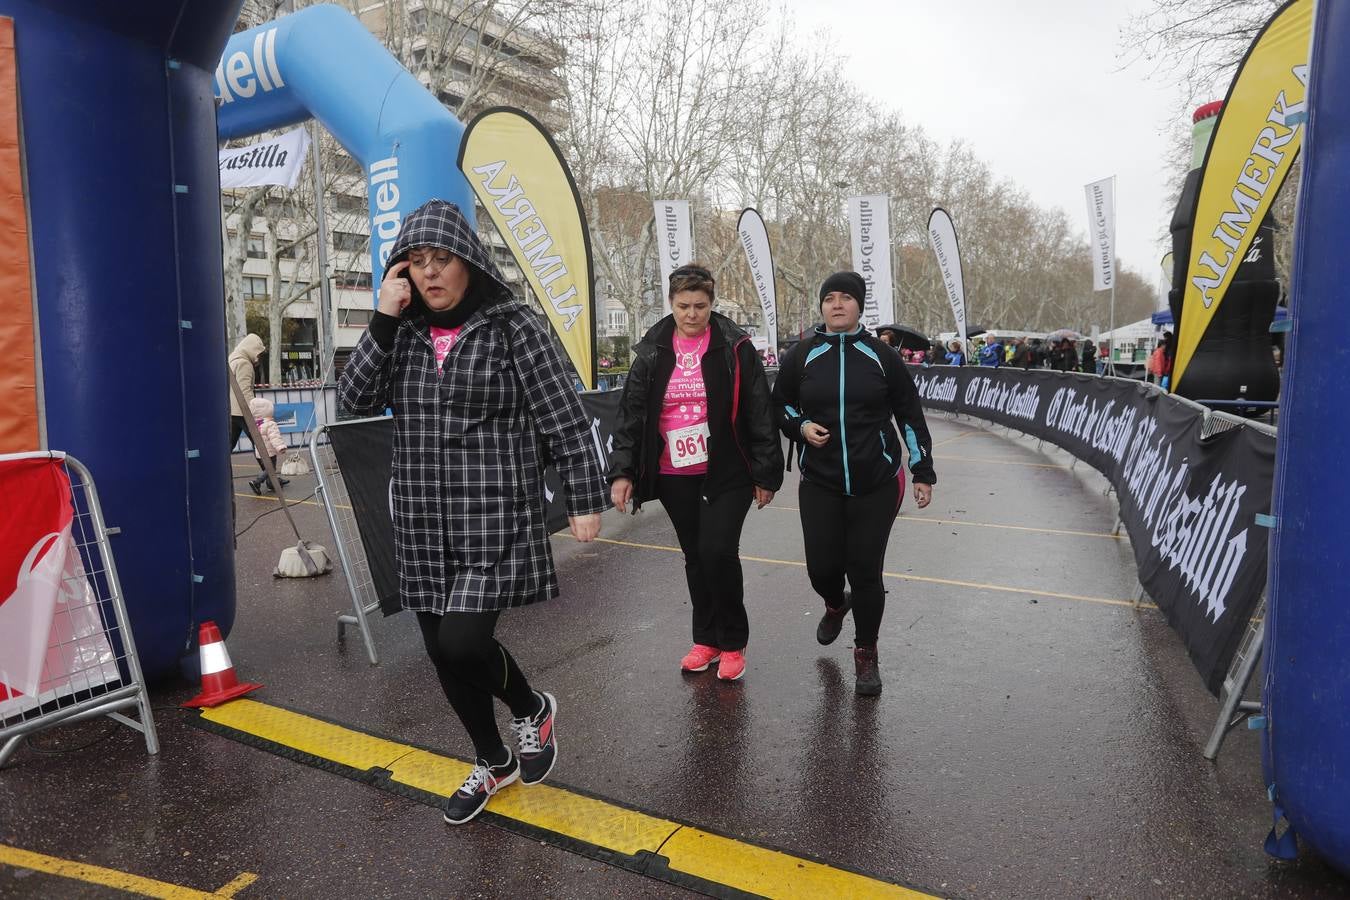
(1089, 358)
(1064, 358)
(273, 443)
(991, 354)
(242, 363)
(954, 356)
(1160, 361)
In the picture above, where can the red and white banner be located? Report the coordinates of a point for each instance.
(52, 641)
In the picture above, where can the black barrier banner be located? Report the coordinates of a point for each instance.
(1189, 504)
(364, 451)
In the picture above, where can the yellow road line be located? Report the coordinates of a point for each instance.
(272, 498)
(959, 437)
(926, 579)
(562, 816)
(243, 880)
(112, 878)
(998, 462)
(966, 523)
(1095, 534)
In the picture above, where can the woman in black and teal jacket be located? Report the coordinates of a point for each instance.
(840, 396)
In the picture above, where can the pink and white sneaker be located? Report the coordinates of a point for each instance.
(699, 658)
(732, 666)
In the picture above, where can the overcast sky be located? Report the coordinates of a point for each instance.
(1038, 89)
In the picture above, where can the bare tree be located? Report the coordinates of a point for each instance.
(1199, 45)
(652, 96)
(1196, 43)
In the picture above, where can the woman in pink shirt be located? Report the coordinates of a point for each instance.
(696, 431)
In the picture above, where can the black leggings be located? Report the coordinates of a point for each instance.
(473, 669)
(710, 536)
(846, 536)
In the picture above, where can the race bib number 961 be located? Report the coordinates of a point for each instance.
(688, 446)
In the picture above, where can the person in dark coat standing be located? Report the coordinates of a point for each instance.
(852, 407)
(1088, 358)
(480, 399)
(696, 431)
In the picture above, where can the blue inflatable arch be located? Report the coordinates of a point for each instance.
(322, 63)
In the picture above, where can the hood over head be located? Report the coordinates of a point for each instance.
(261, 408)
(251, 347)
(438, 223)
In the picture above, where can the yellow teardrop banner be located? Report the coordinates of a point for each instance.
(520, 177)
(1256, 140)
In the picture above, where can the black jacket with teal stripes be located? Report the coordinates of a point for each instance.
(856, 387)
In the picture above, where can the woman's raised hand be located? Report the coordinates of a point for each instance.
(395, 290)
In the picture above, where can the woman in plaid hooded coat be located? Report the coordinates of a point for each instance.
(480, 399)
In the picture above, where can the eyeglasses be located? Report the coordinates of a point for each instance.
(438, 259)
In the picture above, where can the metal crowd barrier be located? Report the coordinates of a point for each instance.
(331, 492)
(90, 668)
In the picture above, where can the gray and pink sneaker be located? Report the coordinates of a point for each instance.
(483, 781)
(537, 742)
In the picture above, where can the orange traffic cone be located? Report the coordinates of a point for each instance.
(218, 681)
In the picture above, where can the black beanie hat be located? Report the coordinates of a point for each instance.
(850, 283)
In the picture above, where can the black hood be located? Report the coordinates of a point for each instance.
(440, 224)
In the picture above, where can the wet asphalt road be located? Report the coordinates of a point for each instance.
(1026, 744)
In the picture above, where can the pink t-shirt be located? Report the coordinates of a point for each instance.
(685, 409)
(443, 339)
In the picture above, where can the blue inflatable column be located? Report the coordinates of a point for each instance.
(1307, 691)
(123, 192)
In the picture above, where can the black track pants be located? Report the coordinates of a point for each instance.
(846, 537)
(710, 536)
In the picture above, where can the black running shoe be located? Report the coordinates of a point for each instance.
(833, 621)
(482, 783)
(869, 675)
(537, 742)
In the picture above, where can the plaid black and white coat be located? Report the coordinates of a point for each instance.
(470, 441)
